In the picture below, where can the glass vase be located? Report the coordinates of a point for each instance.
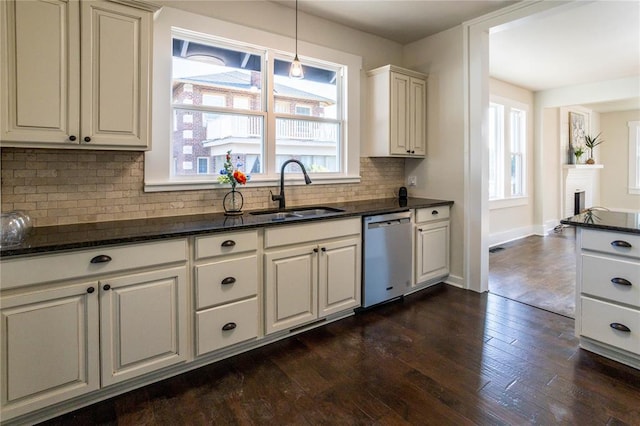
(233, 202)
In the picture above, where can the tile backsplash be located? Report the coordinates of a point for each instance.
(57, 187)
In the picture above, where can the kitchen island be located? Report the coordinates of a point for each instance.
(608, 283)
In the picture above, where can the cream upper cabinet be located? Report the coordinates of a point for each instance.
(397, 113)
(75, 74)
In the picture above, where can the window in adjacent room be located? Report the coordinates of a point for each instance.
(507, 150)
(634, 157)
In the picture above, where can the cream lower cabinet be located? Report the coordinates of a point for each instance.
(143, 323)
(74, 322)
(49, 347)
(226, 287)
(431, 245)
(308, 281)
(608, 294)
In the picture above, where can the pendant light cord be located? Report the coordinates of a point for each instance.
(296, 28)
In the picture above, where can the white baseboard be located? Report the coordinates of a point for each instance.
(510, 235)
(455, 281)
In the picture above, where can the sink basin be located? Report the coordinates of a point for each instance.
(297, 213)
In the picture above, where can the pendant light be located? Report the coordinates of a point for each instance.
(296, 66)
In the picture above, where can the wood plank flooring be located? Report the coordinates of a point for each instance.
(443, 356)
(539, 271)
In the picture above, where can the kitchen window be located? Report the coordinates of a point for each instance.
(634, 157)
(507, 150)
(239, 98)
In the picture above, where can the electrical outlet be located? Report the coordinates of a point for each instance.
(411, 180)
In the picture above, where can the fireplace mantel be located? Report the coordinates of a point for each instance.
(577, 178)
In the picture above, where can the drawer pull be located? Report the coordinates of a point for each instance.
(228, 243)
(106, 287)
(435, 212)
(228, 280)
(103, 258)
(229, 326)
(621, 281)
(621, 243)
(620, 327)
(91, 290)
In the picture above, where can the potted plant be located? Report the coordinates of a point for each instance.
(591, 142)
(578, 151)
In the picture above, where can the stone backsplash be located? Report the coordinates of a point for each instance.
(57, 187)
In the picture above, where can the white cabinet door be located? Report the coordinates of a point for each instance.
(81, 72)
(143, 323)
(291, 289)
(399, 114)
(49, 347)
(432, 251)
(40, 71)
(116, 63)
(418, 116)
(339, 276)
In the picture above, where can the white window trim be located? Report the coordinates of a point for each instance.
(509, 201)
(634, 151)
(158, 158)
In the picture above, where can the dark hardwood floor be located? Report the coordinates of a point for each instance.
(444, 356)
(538, 271)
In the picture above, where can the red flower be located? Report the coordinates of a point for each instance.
(240, 177)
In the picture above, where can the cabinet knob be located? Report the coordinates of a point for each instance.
(420, 229)
(228, 280)
(229, 326)
(324, 249)
(315, 250)
(435, 212)
(106, 287)
(408, 151)
(91, 290)
(87, 139)
(228, 243)
(72, 138)
(413, 152)
(620, 327)
(621, 281)
(621, 243)
(102, 258)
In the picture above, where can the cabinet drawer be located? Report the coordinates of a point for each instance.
(224, 281)
(615, 279)
(311, 232)
(227, 243)
(432, 213)
(602, 241)
(240, 317)
(597, 317)
(78, 264)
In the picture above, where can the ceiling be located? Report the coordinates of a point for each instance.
(583, 42)
(402, 21)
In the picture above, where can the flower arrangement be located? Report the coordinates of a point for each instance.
(578, 151)
(230, 175)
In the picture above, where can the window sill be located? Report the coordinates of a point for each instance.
(505, 203)
(634, 191)
(193, 185)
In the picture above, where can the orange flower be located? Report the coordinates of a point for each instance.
(240, 177)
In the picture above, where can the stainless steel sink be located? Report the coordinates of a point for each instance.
(298, 213)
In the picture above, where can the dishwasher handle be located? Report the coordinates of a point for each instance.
(387, 223)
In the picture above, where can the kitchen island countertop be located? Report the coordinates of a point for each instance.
(606, 220)
(68, 237)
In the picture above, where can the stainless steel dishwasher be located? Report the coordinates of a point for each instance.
(387, 257)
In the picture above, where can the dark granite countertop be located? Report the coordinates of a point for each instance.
(84, 235)
(606, 220)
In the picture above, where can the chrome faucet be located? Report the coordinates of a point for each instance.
(280, 198)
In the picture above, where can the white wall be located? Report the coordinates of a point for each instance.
(509, 223)
(549, 154)
(614, 176)
(441, 173)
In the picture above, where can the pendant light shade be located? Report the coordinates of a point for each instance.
(296, 70)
